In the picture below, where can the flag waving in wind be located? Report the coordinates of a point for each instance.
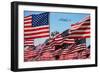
(36, 26)
(80, 30)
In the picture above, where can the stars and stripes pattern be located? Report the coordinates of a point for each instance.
(67, 49)
(51, 44)
(28, 42)
(29, 54)
(79, 47)
(80, 29)
(69, 41)
(36, 26)
(58, 39)
(27, 24)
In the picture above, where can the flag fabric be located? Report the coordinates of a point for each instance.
(80, 30)
(87, 18)
(79, 47)
(51, 45)
(29, 53)
(28, 42)
(36, 26)
(58, 39)
(27, 23)
(66, 50)
(69, 41)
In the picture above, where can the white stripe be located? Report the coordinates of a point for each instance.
(69, 39)
(28, 41)
(27, 24)
(28, 44)
(37, 31)
(26, 47)
(59, 41)
(80, 23)
(76, 35)
(81, 30)
(36, 27)
(36, 35)
(81, 45)
(81, 26)
(78, 48)
(28, 21)
(74, 28)
(68, 42)
(58, 38)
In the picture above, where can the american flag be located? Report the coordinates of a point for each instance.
(80, 29)
(69, 41)
(87, 18)
(80, 44)
(58, 39)
(79, 47)
(51, 44)
(29, 53)
(36, 26)
(65, 51)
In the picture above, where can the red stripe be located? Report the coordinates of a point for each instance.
(60, 43)
(69, 41)
(27, 16)
(27, 19)
(79, 37)
(28, 53)
(36, 37)
(80, 28)
(83, 28)
(82, 24)
(36, 29)
(58, 39)
(36, 33)
(28, 39)
(80, 32)
(28, 42)
(51, 44)
(87, 20)
(30, 26)
(30, 22)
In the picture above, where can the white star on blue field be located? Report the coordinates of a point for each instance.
(60, 22)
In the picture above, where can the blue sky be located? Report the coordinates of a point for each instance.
(60, 21)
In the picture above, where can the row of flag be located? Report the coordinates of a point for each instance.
(37, 26)
(71, 52)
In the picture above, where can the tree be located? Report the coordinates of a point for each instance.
(54, 33)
